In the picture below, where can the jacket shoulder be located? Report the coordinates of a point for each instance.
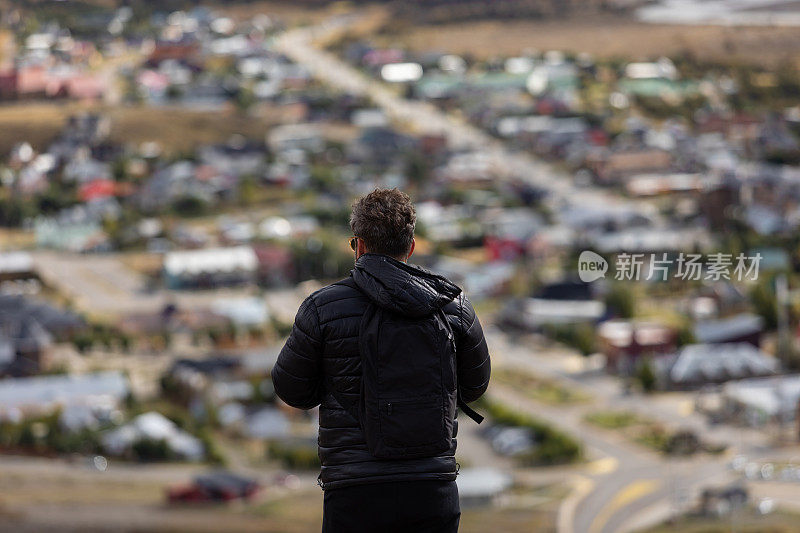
(341, 290)
(454, 310)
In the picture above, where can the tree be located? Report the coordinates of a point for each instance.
(763, 298)
(621, 301)
(189, 206)
(646, 376)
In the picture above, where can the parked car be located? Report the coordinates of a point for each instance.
(214, 487)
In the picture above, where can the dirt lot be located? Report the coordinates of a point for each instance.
(178, 130)
(290, 13)
(51, 495)
(604, 36)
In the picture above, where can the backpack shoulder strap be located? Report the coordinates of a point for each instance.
(351, 406)
(469, 411)
(466, 409)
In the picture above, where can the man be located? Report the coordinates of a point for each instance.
(410, 487)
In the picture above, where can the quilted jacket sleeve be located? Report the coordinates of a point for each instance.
(297, 374)
(472, 355)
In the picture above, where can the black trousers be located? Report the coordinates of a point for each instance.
(401, 507)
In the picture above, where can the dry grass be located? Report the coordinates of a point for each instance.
(603, 36)
(538, 388)
(177, 130)
(290, 13)
(36, 123)
(744, 521)
(13, 238)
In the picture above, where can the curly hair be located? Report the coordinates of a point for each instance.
(385, 220)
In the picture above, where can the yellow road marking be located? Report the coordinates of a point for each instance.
(602, 466)
(574, 364)
(686, 407)
(629, 494)
(581, 487)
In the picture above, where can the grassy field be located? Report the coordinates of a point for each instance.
(34, 497)
(614, 419)
(603, 36)
(538, 388)
(177, 130)
(290, 13)
(746, 521)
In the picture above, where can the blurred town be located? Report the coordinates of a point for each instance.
(175, 179)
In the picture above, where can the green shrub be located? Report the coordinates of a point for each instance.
(146, 449)
(646, 375)
(578, 336)
(613, 419)
(295, 455)
(553, 446)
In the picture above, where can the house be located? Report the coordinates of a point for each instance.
(744, 327)
(649, 240)
(99, 189)
(184, 179)
(479, 487)
(663, 68)
(16, 265)
(625, 342)
(721, 501)
(474, 168)
(696, 365)
(83, 168)
(303, 136)
(153, 426)
(171, 318)
(267, 423)
(238, 156)
(610, 166)
(759, 401)
(184, 51)
(555, 78)
(275, 266)
(210, 267)
(401, 72)
(243, 311)
(646, 185)
(533, 313)
(74, 231)
(378, 146)
(508, 231)
(28, 329)
(196, 374)
(478, 280)
(43, 394)
(717, 200)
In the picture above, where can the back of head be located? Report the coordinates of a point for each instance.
(385, 220)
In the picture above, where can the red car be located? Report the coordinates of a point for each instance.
(214, 487)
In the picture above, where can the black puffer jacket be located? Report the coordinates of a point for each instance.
(322, 352)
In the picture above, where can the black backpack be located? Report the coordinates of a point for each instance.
(409, 389)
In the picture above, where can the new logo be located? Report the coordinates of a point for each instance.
(591, 266)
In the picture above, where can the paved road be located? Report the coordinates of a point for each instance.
(626, 485)
(426, 118)
(633, 487)
(103, 286)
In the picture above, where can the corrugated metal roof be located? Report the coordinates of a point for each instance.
(44, 392)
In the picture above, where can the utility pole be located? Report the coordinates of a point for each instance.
(784, 347)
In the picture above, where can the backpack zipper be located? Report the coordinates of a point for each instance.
(388, 408)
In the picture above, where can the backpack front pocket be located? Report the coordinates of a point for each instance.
(412, 423)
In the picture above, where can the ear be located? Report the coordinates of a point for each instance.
(411, 251)
(361, 248)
